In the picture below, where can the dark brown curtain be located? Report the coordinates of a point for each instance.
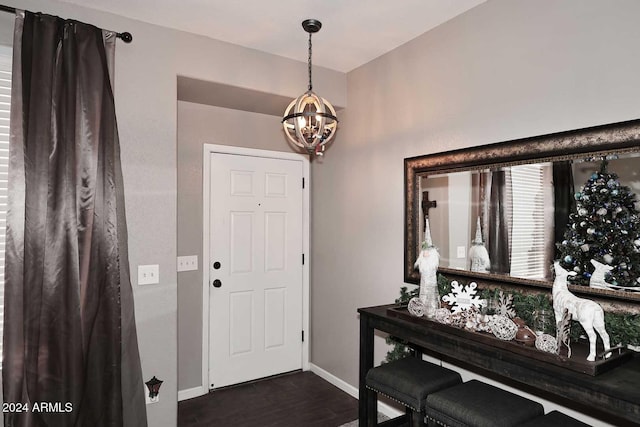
(499, 220)
(564, 200)
(69, 336)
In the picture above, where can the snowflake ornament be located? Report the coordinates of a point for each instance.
(462, 297)
(505, 305)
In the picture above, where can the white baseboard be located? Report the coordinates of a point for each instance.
(190, 393)
(389, 411)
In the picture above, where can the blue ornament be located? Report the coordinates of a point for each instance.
(594, 176)
(568, 259)
(587, 274)
(614, 192)
(578, 195)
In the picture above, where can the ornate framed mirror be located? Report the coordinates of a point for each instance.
(456, 190)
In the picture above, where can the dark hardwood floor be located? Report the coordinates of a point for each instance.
(298, 399)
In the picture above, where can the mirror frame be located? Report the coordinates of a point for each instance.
(622, 137)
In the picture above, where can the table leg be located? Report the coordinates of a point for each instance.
(368, 402)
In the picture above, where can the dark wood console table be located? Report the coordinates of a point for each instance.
(612, 396)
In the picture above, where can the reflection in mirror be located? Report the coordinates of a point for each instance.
(515, 214)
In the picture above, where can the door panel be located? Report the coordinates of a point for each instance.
(275, 241)
(257, 235)
(241, 240)
(240, 320)
(275, 317)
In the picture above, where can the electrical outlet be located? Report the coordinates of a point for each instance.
(148, 274)
(461, 252)
(188, 263)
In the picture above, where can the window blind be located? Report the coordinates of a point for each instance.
(528, 226)
(5, 109)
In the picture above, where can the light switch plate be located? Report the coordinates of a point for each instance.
(462, 252)
(187, 263)
(148, 274)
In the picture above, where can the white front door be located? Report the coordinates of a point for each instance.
(255, 267)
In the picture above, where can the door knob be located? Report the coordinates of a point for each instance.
(217, 283)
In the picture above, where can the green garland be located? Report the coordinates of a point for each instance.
(399, 348)
(623, 328)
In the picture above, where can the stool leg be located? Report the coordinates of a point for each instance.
(416, 419)
(416, 352)
(372, 407)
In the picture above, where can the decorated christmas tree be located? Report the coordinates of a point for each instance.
(605, 227)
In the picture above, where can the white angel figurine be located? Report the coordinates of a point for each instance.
(428, 300)
(478, 254)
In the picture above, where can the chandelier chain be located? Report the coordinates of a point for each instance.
(310, 84)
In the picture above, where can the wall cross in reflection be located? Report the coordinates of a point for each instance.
(426, 205)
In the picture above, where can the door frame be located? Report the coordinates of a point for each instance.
(206, 183)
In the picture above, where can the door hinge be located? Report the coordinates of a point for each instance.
(302, 183)
(302, 336)
(302, 259)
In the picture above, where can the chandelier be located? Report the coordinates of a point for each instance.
(310, 121)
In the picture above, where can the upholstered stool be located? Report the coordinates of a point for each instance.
(409, 381)
(477, 404)
(554, 419)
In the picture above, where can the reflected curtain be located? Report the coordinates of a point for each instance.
(69, 335)
(499, 214)
(484, 184)
(564, 200)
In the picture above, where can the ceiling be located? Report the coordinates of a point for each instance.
(353, 31)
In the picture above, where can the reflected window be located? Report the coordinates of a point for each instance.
(531, 225)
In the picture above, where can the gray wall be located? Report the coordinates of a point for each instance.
(506, 69)
(146, 106)
(199, 124)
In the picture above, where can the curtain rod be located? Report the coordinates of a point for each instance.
(125, 37)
